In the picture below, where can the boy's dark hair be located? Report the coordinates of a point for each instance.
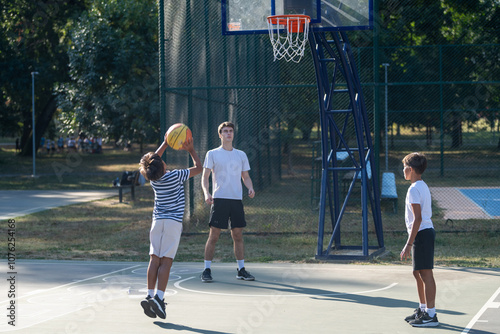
(417, 161)
(151, 166)
(225, 125)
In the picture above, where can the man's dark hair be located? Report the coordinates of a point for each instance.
(225, 125)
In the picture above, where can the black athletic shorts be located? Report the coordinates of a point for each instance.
(224, 210)
(423, 249)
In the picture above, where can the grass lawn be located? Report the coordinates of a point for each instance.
(282, 226)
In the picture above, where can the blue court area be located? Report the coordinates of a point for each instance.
(487, 199)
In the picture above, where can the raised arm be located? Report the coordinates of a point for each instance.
(197, 168)
(162, 147)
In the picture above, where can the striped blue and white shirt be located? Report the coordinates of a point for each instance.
(169, 195)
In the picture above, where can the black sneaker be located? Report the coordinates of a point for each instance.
(417, 313)
(245, 275)
(147, 308)
(206, 276)
(158, 306)
(425, 321)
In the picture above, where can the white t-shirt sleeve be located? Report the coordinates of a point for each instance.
(209, 160)
(246, 164)
(414, 196)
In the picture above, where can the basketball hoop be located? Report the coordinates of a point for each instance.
(288, 34)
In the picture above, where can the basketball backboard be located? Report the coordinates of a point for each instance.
(250, 16)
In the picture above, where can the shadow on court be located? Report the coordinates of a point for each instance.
(186, 328)
(103, 297)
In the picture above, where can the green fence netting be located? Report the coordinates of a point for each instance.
(442, 100)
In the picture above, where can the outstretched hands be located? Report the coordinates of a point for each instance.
(188, 145)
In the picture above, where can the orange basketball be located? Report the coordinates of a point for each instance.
(177, 134)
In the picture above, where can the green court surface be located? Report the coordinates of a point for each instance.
(103, 297)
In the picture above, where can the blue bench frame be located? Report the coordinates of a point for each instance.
(389, 191)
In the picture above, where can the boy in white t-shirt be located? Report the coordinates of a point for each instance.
(166, 229)
(420, 243)
(228, 167)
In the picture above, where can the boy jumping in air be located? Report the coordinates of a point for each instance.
(166, 228)
(420, 243)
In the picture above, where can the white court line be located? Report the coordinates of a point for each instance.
(178, 286)
(68, 284)
(489, 304)
(54, 314)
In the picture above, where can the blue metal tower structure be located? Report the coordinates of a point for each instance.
(343, 116)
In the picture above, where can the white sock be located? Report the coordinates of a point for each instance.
(208, 264)
(241, 264)
(151, 292)
(160, 294)
(423, 307)
(431, 311)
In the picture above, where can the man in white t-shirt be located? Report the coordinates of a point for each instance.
(420, 242)
(228, 167)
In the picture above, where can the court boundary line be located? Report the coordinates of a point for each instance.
(178, 285)
(489, 304)
(68, 284)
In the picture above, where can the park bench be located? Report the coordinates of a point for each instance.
(389, 191)
(129, 180)
(348, 177)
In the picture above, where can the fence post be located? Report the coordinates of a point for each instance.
(441, 111)
(376, 93)
(161, 42)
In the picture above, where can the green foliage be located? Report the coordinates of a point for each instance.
(431, 29)
(113, 68)
(33, 39)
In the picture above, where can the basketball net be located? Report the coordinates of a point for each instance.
(288, 34)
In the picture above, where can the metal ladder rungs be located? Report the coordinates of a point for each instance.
(338, 111)
(337, 91)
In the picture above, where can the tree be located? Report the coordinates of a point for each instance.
(33, 39)
(436, 22)
(113, 68)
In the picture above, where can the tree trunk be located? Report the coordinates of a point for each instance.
(287, 147)
(428, 132)
(42, 122)
(26, 135)
(456, 131)
(306, 133)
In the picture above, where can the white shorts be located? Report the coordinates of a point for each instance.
(164, 236)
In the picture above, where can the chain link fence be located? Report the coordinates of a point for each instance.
(441, 99)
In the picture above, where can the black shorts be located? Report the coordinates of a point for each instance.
(224, 210)
(423, 249)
